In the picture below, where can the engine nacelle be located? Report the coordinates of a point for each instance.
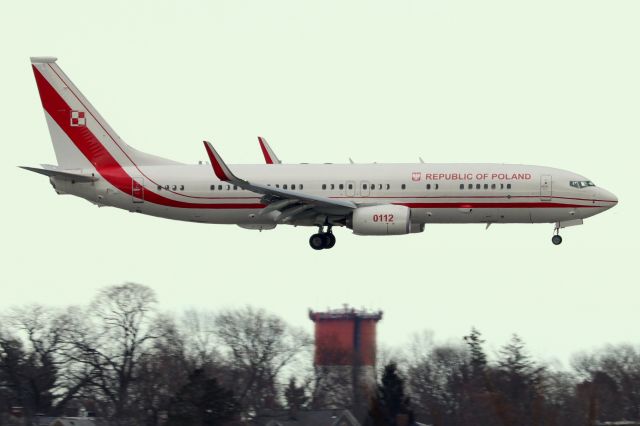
(387, 219)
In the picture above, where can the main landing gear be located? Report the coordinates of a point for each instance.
(556, 239)
(322, 240)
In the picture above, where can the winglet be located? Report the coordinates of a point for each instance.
(219, 167)
(269, 156)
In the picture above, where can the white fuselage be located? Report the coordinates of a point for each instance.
(435, 193)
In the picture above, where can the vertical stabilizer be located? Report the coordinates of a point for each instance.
(81, 137)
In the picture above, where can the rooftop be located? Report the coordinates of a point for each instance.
(345, 312)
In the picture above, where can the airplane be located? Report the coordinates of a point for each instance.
(94, 163)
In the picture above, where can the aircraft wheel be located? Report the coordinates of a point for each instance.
(556, 239)
(317, 241)
(331, 240)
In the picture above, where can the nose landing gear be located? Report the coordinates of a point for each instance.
(322, 240)
(556, 239)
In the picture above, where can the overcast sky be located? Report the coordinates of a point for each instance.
(553, 83)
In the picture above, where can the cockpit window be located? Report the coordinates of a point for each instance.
(581, 183)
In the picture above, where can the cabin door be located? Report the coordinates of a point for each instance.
(137, 190)
(545, 187)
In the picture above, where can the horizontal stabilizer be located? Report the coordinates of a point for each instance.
(61, 175)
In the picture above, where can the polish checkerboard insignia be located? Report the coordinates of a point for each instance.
(77, 119)
(415, 176)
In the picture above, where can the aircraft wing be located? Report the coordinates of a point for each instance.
(51, 172)
(280, 198)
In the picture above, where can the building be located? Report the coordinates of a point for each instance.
(345, 358)
(77, 421)
(308, 418)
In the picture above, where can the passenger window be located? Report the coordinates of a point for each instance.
(350, 186)
(437, 186)
(219, 187)
(477, 186)
(470, 186)
(213, 187)
(324, 186)
(428, 186)
(174, 187)
(508, 186)
(364, 186)
(300, 186)
(235, 187)
(486, 186)
(502, 186)
(404, 186)
(284, 186)
(181, 187)
(341, 186)
(159, 188)
(293, 186)
(166, 187)
(228, 187)
(333, 186)
(380, 186)
(493, 186)
(462, 186)
(277, 185)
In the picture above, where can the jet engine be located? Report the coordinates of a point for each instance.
(386, 219)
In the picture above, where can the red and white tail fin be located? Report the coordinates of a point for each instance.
(269, 156)
(81, 137)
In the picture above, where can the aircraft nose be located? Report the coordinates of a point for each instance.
(608, 196)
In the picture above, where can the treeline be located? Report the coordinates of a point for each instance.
(123, 359)
(457, 385)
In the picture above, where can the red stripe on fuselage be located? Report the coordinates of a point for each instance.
(102, 160)
(467, 205)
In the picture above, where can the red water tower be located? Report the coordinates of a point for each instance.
(345, 355)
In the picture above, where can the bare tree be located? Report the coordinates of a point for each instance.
(161, 372)
(611, 382)
(435, 378)
(41, 330)
(198, 327)
(258, 346)
(107, 341)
